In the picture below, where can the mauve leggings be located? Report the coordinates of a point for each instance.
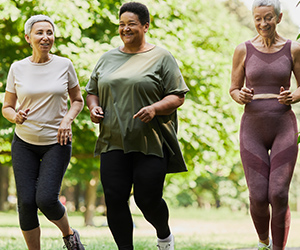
(146, 174)
(268, 145)
(39, 171)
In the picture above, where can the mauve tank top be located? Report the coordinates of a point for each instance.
(266, 73)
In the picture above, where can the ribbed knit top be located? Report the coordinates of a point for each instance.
(266, 73)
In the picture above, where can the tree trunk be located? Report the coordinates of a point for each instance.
(76, 196)
(90, 199)
(4, 180)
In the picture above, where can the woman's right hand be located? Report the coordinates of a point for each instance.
(21, 116)
(96, 114)
(246, 95)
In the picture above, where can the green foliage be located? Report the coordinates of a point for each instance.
(200, 34)
(82, 40)
(203, 47)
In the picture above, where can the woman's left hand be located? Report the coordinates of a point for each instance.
(64, 134)
(285, 97)
(146, 114)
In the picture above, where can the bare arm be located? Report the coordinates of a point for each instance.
(238, 92)
(96, 112)
(286, 97)
(64, 131)
(166, 106)
(9, 109)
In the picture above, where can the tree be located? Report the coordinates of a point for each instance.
(201, 35)
(201, 44)
(83, 41)
(209, 119)
(3, 186)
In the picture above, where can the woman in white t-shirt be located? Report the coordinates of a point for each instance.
(41, 148)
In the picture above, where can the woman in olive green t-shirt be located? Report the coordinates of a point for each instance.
(133, 93)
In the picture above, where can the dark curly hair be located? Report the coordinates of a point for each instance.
(139, 9)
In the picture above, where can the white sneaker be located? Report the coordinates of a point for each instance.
(262, 246)
(166, 245)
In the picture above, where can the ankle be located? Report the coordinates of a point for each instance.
(168, 239)
(266, 242)
(70, 232)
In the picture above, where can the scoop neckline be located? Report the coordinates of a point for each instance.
(41, 64)
(272, 52)
(137, 52)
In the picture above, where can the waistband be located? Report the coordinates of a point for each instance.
(265, 96)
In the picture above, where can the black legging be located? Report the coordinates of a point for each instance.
(39, 171)
(146, 173)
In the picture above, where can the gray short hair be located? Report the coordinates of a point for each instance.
(37, 18)
(274, 3)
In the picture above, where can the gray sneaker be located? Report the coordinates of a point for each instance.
(72, 242)
(166, 245)
(262, 246)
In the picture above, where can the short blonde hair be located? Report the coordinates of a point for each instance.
(34, 19)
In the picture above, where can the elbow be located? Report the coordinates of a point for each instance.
(80, 100)
(179, 103)
(90, 96)
(78, 103)
(181, 100)
(81, 104)
(4, 110)
(87, 96)
(232, 92)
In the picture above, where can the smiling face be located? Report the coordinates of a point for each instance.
(131, 31)
(266, 20)
(41, 37)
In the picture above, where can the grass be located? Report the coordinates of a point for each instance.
(194, 229)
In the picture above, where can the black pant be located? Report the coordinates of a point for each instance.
(146, 174)
(39, 171)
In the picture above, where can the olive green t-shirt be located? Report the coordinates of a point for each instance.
(124, 84)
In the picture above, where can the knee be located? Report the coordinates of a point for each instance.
(279, 198)
(114, 202)
(141, 204)
(259, 201)
(145, 203)
(116, 196)
(45, 204)
(27, 206)
(51, 208)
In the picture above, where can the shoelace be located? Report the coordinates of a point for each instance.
(69, 245)
(264, 248)
(164, 247)
(71, 242)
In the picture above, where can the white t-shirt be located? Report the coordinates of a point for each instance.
(43, 88)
